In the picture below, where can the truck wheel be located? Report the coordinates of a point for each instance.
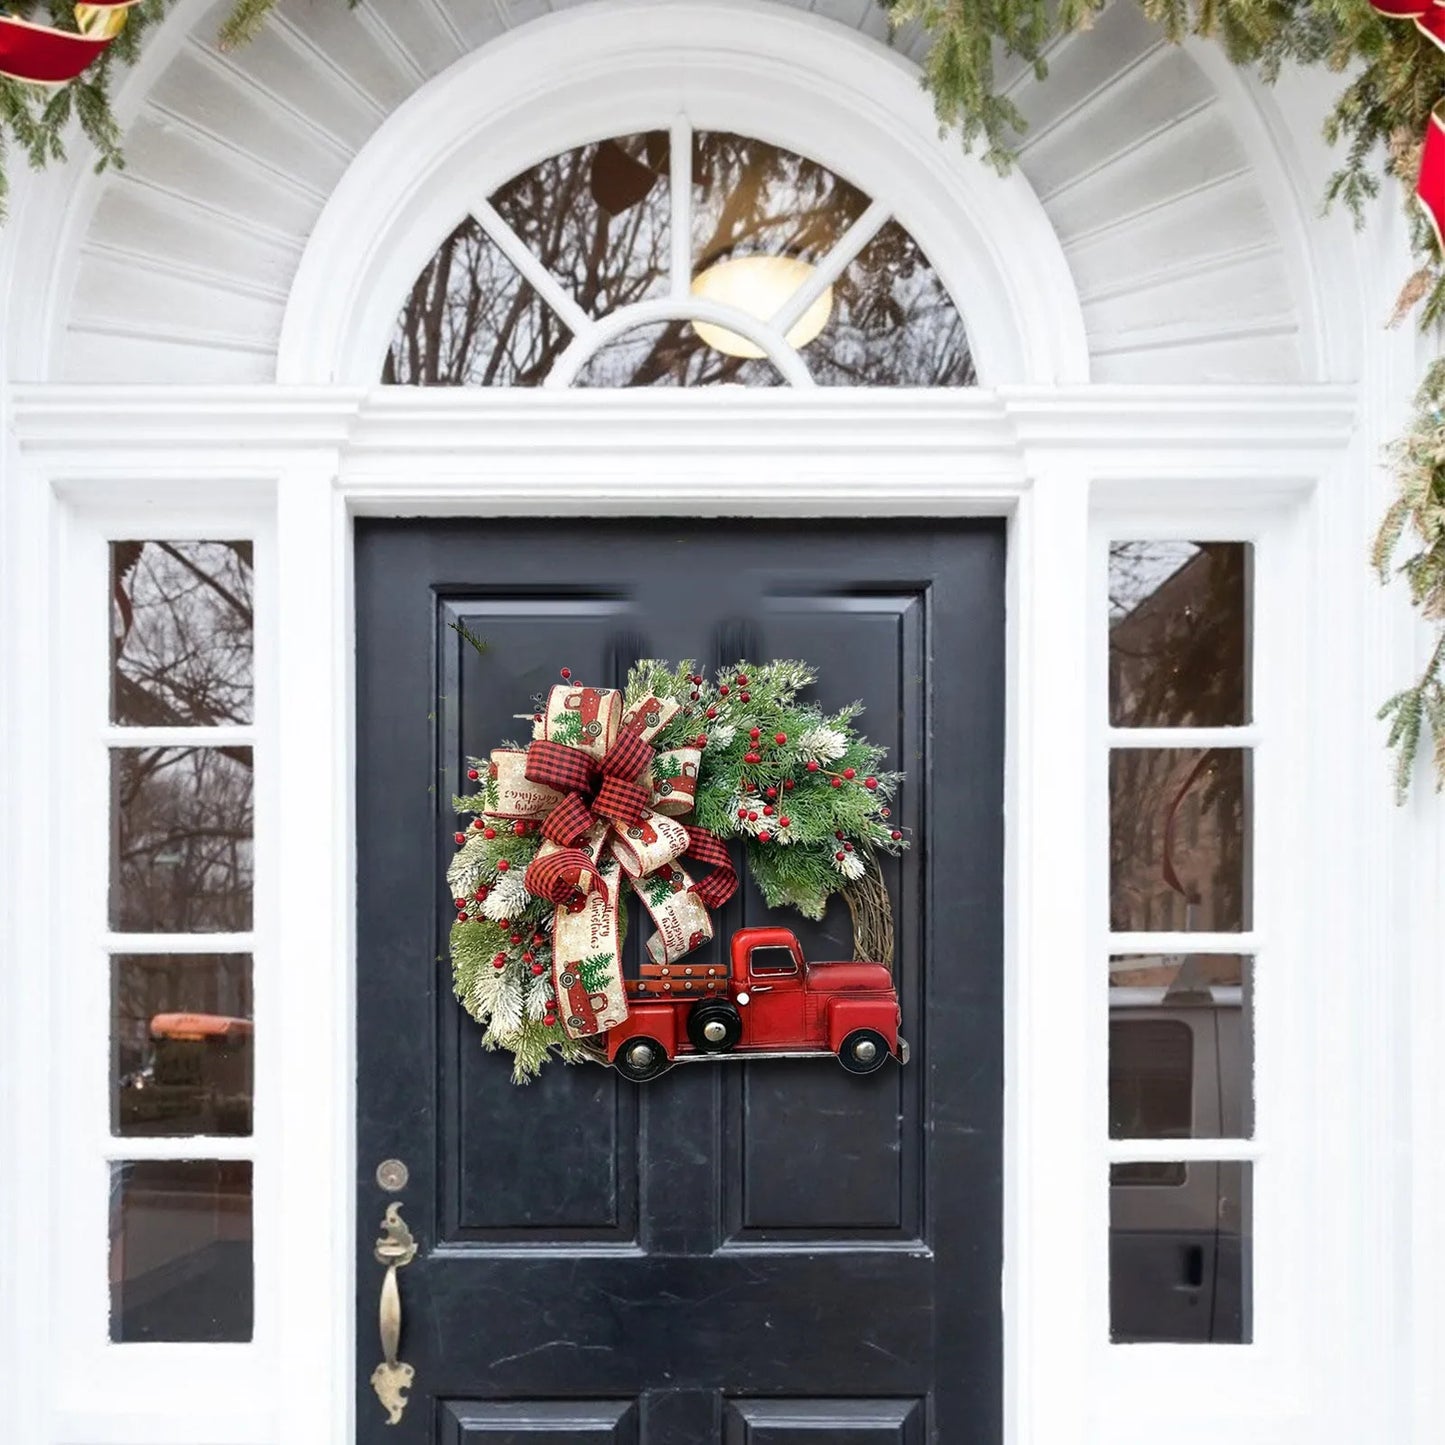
(863, 1051)
(641, 1059)
(714, 1026)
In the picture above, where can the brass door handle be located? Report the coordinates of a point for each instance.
(392, 1377)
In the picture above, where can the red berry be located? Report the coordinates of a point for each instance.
(885, 812)
(516, 938)
(701, 740)
(787, 785)
(742, 812)
(537, 969)
(837, 782)
(461, 902)
(896, 835)
(697, 679)
(838, 834)
(745, 697)
(767, 811)
(536, 717)
(519, 828)
(693, 694)
(813, 765)
(870, 782)
(566, 673)
(771, 793)
(478, 824)
(838, 856)
(488, 832)
(504, 923)
(742, 681)
(539, 938)
(785, 821)
(722, 689)
(473, 774)
(755, 733)
(502, 865)
(850, 773)
(752, 757)
(780, 738)
(712, 712)
(529, 957)
(752, 817)
(500, 961)
(847, 847)
(460, 837)
(764, 836)
(481, 894)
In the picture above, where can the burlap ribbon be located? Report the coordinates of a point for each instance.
(587, 778)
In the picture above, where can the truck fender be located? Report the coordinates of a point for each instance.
(847, 1014)
(656, 1020)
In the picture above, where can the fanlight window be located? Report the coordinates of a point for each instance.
(679, 259)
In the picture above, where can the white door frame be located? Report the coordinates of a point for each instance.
(1267, 464)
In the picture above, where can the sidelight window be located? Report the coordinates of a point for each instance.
(620, 263)
(1181, 914)
(180, 917)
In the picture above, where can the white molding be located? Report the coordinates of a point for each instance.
(801, 81)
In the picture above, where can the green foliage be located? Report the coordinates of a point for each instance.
(1418, 512)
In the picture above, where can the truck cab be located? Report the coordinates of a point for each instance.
(770, 1002)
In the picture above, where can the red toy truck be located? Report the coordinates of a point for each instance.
(770, 1004)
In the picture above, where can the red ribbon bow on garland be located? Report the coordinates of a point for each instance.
(583, 777)
(43, 55)
(1429, 18)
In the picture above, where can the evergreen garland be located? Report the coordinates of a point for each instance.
(808, 797)
(1396, 76)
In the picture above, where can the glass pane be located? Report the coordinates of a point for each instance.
(180, 1251)
(1181, 1049)
(181, 633)
(671, 353)
(1179, 838)
(750, 198)
(181, 840)
(181, 1036)
(1180, 1266)
(471, 320)
(1179, 634)
(599, 218)
(892, 324)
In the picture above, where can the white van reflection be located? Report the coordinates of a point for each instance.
(1180, 1067)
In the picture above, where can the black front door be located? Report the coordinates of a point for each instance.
(779, 1252)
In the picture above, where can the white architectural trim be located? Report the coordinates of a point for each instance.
(605, 69)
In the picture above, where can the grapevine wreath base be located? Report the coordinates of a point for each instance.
(641, 790)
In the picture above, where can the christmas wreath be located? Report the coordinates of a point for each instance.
(641, 789)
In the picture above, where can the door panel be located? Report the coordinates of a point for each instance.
(761, 1251)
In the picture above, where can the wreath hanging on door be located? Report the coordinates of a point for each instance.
(641, 790)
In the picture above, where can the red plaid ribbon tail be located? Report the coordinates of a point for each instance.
(567, 822)
(564, 877)
(718, 886)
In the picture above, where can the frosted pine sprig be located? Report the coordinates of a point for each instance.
(850, 865)
(822, 744)
(506, 898)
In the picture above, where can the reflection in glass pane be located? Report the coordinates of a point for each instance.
(1180, 1255)
(893, 324)
(181, 838)
(1179, 634)
(471, 320)
(1179, 839)
(181, 633)
(180, 1251)
(599, 218)
(1181, 1050)
(671, 353)
(750, 198)
(181, 1039)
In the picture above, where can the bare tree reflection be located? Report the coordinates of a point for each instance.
(182, 835)
(1179, 657)
(182, 633)
(598, 219)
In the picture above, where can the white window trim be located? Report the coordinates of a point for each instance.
(1269, 464)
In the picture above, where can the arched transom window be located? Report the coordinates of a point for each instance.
(678, 258)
